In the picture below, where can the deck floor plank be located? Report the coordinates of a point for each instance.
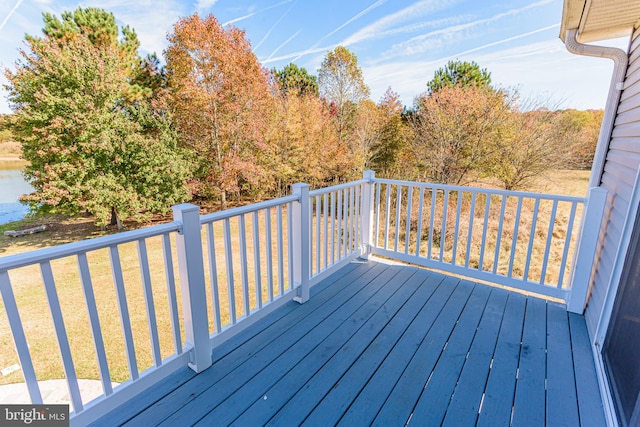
(261, 351)
(284, 378)
(338, 399)
(284, 352)
(467, 396)
(529, 404)
(379, 330)
(376, 391)
(497, 400)
(432, 405)
(383, 345)
(588, 391)
(562, 408)
(397, 409)
(298, 400)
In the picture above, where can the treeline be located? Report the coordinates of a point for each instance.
(120, 136)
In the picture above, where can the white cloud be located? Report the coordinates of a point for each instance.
(148, 17)
(205, 4)
(297, 54)
(352, 19)
(451, 34)
(539, 70)
(416, 10)
(349, 21)
(268, 33)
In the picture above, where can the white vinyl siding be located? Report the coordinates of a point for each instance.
(621, 166)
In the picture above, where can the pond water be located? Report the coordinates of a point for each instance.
(12, 185)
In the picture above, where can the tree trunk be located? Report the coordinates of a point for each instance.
(114, 216)
(115, 219)
(223, 199)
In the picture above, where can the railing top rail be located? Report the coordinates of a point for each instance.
(240, 210)
(496, 191)
(47, 254)
(321, 191)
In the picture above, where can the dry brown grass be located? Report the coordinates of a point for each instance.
(494, 258)
(10, 155)
(31, 299)
(10, 149)
(35, 315)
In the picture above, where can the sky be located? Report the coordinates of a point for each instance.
(399, 43)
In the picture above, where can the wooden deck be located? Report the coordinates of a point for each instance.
(383, 345)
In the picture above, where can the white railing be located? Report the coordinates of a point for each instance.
(25, 309)
(249, 255)
(517, 239)
(237, 265)
(234, 267)
(335, 227)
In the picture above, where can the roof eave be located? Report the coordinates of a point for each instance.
(598, 20)
(571, 15)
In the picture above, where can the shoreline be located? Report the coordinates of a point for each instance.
(12, 162)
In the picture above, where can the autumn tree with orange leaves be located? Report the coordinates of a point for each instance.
(219, 99)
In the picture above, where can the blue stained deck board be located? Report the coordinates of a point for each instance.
(562, 408)
(397, 409)
(321, 293)
(292, 368)
(467, 396)
(529, 404)
(432, 405)
(378, 388)
(381, 327)
(588, 392)
(329, 298)
(363, 348)
(281, 354)
(497, 400)
(346, 389)
(145, 401)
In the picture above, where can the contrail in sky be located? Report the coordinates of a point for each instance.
(272, 28)
(233, 21)
(282, 45)
(359, 15)
(11, 12)
(519, 36)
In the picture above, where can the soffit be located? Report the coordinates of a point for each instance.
(600, 19)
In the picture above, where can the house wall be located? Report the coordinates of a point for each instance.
(621, 166)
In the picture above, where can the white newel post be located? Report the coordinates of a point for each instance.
(585, 255)
(367, 212)
(192, 285)
(300, 240)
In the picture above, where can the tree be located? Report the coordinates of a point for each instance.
(392, 138)
(100, 27)
(90, 146)
(301, 145)
(341, 83)
(454, 129)
(579, 130)
(292, 77)
(6, 135)
(526, 148)
(459, 73)
(367, 133)
(219, 97)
